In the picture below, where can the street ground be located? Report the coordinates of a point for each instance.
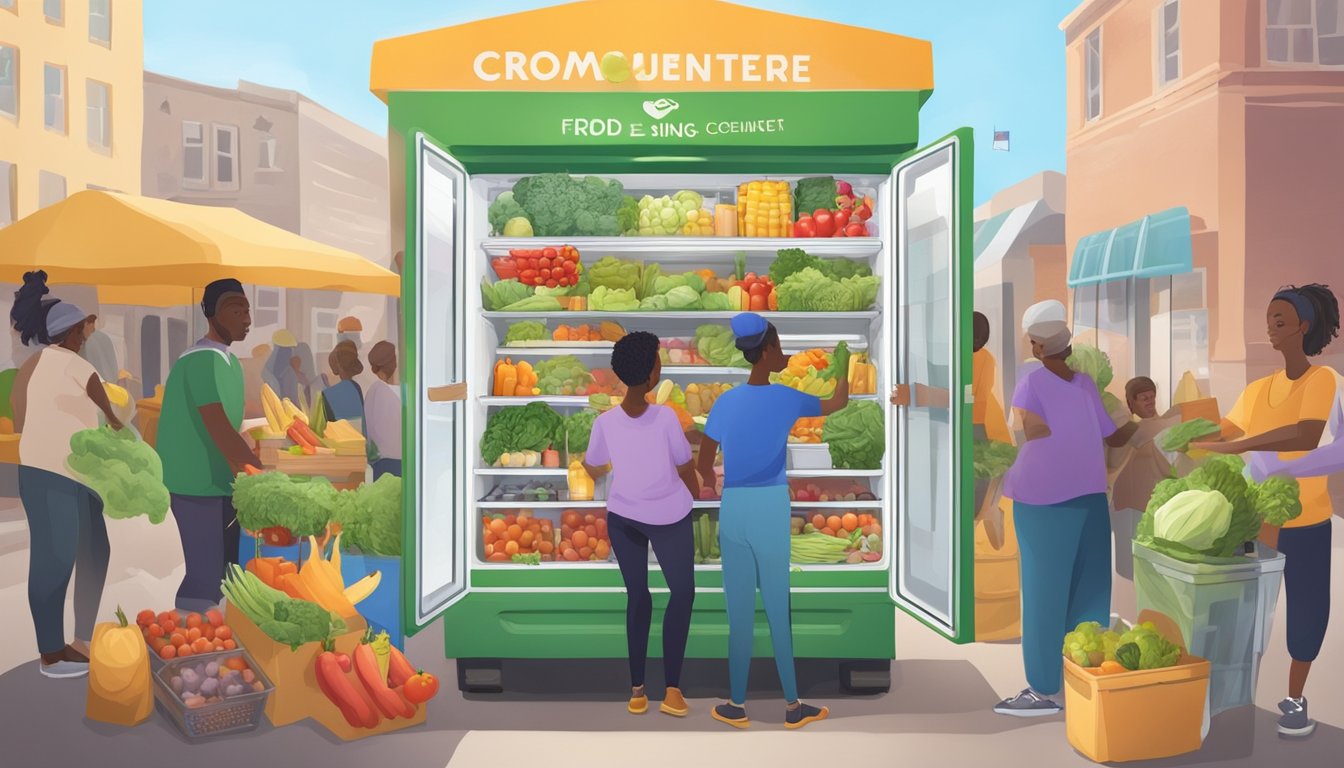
(572, 713)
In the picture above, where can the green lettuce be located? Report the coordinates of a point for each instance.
(604, 299)
(531, 427)
(528, 330)
(1179, 437)
(717, 345)
(124, 471)
(856, 435)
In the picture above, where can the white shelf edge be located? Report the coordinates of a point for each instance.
(685, 248)
(582, 400)
(602, 503)
(521, 471)
(870, 314)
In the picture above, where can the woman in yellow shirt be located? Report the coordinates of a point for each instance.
(1287, 413)
(986, 409)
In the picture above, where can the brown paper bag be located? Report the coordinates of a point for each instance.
(120, 688)
(292, 672)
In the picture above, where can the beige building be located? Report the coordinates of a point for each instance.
(281, 158)
(1205, 151)
(1019, 260)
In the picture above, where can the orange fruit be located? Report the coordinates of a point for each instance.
(184, 651)
(489, 550)
(498, 557)
(589, 519)
(571, 555)
(580, 539)
(527, 538)
(178, 639)
(818, 521)
(193, 620)
(490, 538)
(223, 633)
(229, 645)
(168, 652)
(515, 532)
(591, 531)
(523, 520)
(834, 523)
(828, 531)
(545, 547)
(193, 634)
(850, 521)
(498, 527)
(511, 548)
(585, 553)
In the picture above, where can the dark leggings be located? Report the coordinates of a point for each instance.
(675, 547)
(1306, 583)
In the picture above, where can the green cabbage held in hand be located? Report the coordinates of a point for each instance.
(993, 459)
(124, 471)
(531, 427)
(1277, 499)
(528, 330)
(1179, 437)
(856, 435)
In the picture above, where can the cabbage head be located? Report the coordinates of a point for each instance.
(1093, 362)
(1194, 518)
(856, 435)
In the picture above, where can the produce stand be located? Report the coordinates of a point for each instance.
(1224, 613)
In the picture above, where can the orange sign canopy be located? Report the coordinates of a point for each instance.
(623, 45)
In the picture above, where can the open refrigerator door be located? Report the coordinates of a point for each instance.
(929, 441)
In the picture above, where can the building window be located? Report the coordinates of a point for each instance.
(9, 193)
(193, 154)
(1169, 42)
(53, 98)
(324, 329)
(268, 308)
(226, 156)
(50, 188)
(100, 22)
(100, 115)
(54, 10)
(1305, 32)
(266, 154)
(1092, 74)
(9, 80)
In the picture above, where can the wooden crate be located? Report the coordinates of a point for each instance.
(338, 469)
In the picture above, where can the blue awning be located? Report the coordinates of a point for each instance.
(1153, 246)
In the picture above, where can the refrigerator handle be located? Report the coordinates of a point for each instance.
(448, 393)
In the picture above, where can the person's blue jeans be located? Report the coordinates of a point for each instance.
(386, 467)
(66, 534)
(754, 542)
(1065, 552)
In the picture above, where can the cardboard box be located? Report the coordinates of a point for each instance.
(1204, 408)
(297, 695)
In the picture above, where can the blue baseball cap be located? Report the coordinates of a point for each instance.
(750, 329)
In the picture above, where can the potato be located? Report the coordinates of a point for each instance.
(249, 676)
(176, 684)
(209, 686)
(211, 669)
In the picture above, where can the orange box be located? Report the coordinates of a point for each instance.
(1144, 715)
(1204, 408)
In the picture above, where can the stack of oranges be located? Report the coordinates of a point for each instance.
(520, 534)
(583, 536)
(171, 635)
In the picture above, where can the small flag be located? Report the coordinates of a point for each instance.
(1001, 140)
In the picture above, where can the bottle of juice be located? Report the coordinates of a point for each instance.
(580, 483)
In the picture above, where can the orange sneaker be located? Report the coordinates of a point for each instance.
(639, 703)
(674, 703)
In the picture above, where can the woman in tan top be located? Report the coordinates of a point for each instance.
(56, 394)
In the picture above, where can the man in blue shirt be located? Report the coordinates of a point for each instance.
(752, 423)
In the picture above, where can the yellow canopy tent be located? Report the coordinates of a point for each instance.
(149, 252)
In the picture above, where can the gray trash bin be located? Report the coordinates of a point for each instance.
(1224, 613)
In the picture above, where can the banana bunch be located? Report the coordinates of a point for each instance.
(343, 438)
(700, 397)
(279, 413)
(810, 382)
(321, 579)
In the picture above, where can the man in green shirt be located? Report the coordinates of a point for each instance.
(201, 447)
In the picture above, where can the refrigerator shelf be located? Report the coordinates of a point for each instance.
(524, 504)
(791, 344)
(674, 249)
(561, 472)
(870, 504)
(871, 314)
(575, 401)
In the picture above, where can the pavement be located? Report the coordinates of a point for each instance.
(572, 713)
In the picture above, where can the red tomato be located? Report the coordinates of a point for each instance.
(805, 227)
(544, 263)
(155, 630)
(841, 219)
(215, 618)
(544, 273)
(759, 302)
(527, 276)
(569, 267)
(552, 283)
(864, 212)
(759, 289)
(856, 229)
(145, 618)
(533, 264)
(549, 253)
(421, 687)
(825, 223)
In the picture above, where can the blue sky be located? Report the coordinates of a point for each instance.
(996, 63)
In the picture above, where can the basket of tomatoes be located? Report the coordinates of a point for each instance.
(541, 267)
(176, 634)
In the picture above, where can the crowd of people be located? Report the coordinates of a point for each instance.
(209, 392)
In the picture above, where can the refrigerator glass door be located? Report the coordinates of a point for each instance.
(924, 440)
(440, 506)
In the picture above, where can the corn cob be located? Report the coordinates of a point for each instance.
(765, 209)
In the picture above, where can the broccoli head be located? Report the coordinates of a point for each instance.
(504, 207)
(1277, 500)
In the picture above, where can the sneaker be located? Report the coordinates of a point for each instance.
(64, 669)
(1028, 703)
(732, 714)
(804, 714)
(639, 703)
(1295, 724)
(674, 703)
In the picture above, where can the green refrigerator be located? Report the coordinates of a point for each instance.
(456, 144)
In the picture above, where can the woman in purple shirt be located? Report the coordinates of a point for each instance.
(652, 490)
(1058, 488)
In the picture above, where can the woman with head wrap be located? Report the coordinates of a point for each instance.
(1286, 414)
(1058, 488)
(56, 394)
(344, 399)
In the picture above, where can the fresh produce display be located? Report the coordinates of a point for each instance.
(171, 634)
(700, 397)
(605, 383)
(527, 330)
(752, 293)
(764, 209)
(271, 569)
(829, 490)
(373, 683)
(372, 674)
(840, 540)
(562, 375)
(370, 518)
(716, 345)
(1179, 437)
(534, 426)
(1214, 512)
(505, 293)
(616, 274)
(807, 430)
(814, 371)
(862, 375)
(515, 380)
(856, 435)
(699, 223)
(550, 267)
(606, 331)
(583, 536)
(809, 290)
(1108, 652)
(559, 205)
(578, 426)
(679, 352)
(282, 618)
(1088, 645)
(670, 215)
(506, 535)
(993, 459)
(124, 471)
(790, 261)
(206, 682)
(604, 299)
(298, 506)
(1097, 365)
(705, 533)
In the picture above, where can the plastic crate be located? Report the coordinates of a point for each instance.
(240, 713)
(809, 456)
(1224, 613)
